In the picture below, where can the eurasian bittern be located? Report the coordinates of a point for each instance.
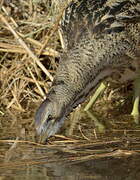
(102, 39)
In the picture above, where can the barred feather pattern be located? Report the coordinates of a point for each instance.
(102, 38)
(99, 16)
(99, 35)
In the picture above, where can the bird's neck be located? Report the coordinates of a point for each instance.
(77, 76)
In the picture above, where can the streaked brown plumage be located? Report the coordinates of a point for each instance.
(102, 37)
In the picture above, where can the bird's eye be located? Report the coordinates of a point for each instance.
(50, 118)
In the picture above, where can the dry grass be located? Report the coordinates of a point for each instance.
(29, 53)
(29, 50)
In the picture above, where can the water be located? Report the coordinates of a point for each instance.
(95, 146)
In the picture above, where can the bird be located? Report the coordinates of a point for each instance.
(102, 40)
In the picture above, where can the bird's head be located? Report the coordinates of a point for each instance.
(49, 118)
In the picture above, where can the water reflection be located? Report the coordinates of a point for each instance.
(38, 164)
(96, 147)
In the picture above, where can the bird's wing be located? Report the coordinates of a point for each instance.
(98, 17)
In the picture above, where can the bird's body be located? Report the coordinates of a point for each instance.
(102, 38)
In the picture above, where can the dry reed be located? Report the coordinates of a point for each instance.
(29, 50)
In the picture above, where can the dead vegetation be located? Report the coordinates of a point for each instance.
(29, 50)
(30, 47)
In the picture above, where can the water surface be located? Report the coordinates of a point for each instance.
(90, 146)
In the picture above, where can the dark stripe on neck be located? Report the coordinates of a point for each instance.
(117, 7)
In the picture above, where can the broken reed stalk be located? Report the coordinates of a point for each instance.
(5, 47)
(37, 84)
(23, 44)
(53, 30)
